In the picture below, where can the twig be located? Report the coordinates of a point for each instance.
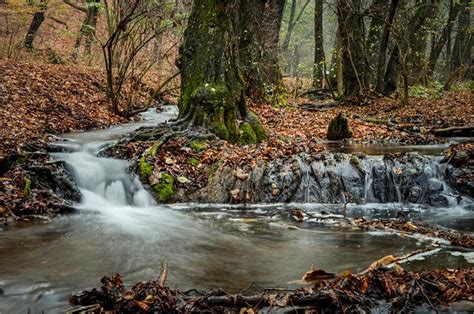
(426, 297)
(164, 273)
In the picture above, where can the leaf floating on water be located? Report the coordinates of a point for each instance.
(384, 261)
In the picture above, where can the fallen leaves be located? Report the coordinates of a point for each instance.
(401, 290)
(43, 98)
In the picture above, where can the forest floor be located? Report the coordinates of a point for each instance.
(42, 99)
(39, 99)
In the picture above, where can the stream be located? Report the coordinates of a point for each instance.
(120, 229)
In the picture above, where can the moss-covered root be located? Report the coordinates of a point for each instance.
(252, 131)
(164, 189)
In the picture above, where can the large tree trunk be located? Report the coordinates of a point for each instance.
(38, 19)
(319, 57)
(212, 86)
(352, 39)
(383, 45)
(259, 47)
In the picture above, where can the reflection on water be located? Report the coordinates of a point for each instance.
(41, 264)
(215, 247)
(382, 149)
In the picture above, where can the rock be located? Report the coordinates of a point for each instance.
(338, 128)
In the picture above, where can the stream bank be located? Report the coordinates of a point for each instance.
(120, 228)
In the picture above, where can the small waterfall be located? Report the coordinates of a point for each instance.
(335, 178)
(104, 179)
(105, 183)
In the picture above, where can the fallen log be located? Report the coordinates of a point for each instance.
(467, 130)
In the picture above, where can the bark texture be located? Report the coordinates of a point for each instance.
(355, 70)
(213, 87)
(319, 57)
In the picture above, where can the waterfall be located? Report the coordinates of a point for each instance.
(106, 183)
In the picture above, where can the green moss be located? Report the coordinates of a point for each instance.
(198, 145)
(247, 134)
(220, 130)
(145, 169)
(164, 189)
(257, 128)
(27, 189)
(192, 161)
(154, 149)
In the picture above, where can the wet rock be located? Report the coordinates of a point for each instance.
(328, 178)
(54, 176)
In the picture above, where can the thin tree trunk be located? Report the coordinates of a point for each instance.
(425, 9)
(378, 11)
(291, 24)
(38, 19)
(445, 34)
(319, 56)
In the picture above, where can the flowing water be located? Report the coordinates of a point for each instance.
(120, 229)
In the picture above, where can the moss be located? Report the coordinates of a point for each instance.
(145, 169)
(27, 189)
(247, 134)
(164, 189)
(198, 145)
(192, 161)
(257, 127)
(153, 150)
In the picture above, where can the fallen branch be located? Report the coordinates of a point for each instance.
(467, 130)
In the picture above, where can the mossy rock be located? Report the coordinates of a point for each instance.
(339, 128)
(247, 134)
(164, 189)
(145, 169)
(257, 127)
